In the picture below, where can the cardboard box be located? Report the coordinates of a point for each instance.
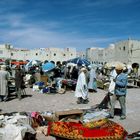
(44, 79)
(74, 113)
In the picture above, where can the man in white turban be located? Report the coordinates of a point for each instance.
(81, 91)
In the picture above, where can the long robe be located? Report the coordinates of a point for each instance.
(113, 75)
(4, 75)
(81, 87)
(92, 80)
(19, 82)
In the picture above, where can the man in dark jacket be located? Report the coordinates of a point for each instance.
(19, 82)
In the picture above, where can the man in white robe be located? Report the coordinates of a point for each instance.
(92, 85)
(112, 76)
(4, 76)
(81, 91)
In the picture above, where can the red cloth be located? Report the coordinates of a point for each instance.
(101, 130)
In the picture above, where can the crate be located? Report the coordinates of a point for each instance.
(44, 79)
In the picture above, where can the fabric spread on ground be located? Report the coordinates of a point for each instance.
(102, 129)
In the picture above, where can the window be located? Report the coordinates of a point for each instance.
(12, 54)
(64, 54)
(47, 54)
(124, 48)
(54, 54)
(71, 54)
(36, 53)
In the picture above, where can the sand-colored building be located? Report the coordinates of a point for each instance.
(126, 51)
(56, 54)
(109, 53)
(94, 55)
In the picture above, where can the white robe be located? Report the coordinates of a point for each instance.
(4, 75)
(92, 77)
(81, 87)
(113, 75)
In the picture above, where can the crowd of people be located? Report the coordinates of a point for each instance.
(54, 77)
(86, 81)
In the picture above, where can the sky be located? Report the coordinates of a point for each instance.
(78, 24)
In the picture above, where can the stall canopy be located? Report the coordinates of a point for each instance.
(113, 64)
(79, 61)
(48, 66)
(32, 63)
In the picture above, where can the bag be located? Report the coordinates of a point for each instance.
(39, 83)
(45, 90)
(111, 87)
(61, 91)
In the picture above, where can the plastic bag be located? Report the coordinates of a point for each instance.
(111, 87)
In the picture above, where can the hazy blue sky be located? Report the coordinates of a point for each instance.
(68, 23)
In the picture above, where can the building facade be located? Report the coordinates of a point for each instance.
(126, 51)
(51, 54)
(109, 53)
(94, 55)
(81, 54)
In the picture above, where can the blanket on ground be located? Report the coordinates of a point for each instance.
(103, 129)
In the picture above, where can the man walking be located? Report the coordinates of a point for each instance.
(81, 91)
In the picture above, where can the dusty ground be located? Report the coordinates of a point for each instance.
(58, 102)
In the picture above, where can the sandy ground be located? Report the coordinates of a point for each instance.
(58, 102)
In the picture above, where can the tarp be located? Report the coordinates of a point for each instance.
(31, 63)
(79, 61)
(48, 66)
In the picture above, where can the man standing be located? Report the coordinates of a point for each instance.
(4, 76)
(119, 92)
(81, 91)
(19, 82)
(92, 84)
